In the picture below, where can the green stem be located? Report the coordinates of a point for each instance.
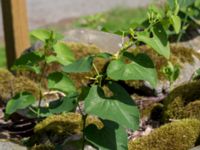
(181, 33)
(84, 125)
(40, 88)
(96, 70)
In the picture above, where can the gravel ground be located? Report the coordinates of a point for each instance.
(43, 12)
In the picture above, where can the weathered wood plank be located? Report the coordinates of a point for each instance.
(15, 28)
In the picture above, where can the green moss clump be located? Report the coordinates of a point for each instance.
(6, 79)
(21, 84)
(178, 135)
(56, 128)
(65, 124)
(175, 103)
(11, 85)
(192, 110)
(43, 147)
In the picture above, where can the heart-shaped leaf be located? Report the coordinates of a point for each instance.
(63, 54)
(28, 61)
(140, 68)
(43, 35)
(119, 108)
(110, 137)
(60, 81)
(82, 65)
(66, 104)
(159, 41)
(20, 101)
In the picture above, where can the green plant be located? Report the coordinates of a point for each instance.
(116, 110)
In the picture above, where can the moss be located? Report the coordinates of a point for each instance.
(56, 129)
(178, 100)
(21, 84)
(192, 110)
(65, 124)
(178, 135)
(43, 147)
(11, 85)
(6, 79)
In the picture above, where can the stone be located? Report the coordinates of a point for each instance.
(6, 145)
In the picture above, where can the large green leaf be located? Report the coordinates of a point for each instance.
(28, 61)
(119, 108)
(82, 65)
(158, 41)
(183, 4)
(60, 81)
(63, 54)
(20, 101)
(140, 68)
(43, 34)
(110, 137)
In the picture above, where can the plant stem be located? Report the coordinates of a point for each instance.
(181, 33)
(40, 88)
(84, 125)
(96, 70)
(84, 116)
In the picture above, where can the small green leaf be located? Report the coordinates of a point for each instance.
(82, 65)
(43, 34)
(110, 137)
(63, 54)
(65, 104)
(159, 41)
(171, 72)
(119, 108)
(60, 81)
(104, 55)
(28, 61)
(20, 101)
(140, 68)
(183, 4)
(196, 74)
(176, 22)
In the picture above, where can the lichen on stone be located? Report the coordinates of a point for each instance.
(178, 135)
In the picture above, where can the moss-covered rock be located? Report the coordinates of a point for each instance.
(65, 124)
(178, 135)
(178, 104)
(57, 128)
(192, 110)
(11, 85)
(6, 79)
(43, 147)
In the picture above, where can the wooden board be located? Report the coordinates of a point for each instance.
(15, 28)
